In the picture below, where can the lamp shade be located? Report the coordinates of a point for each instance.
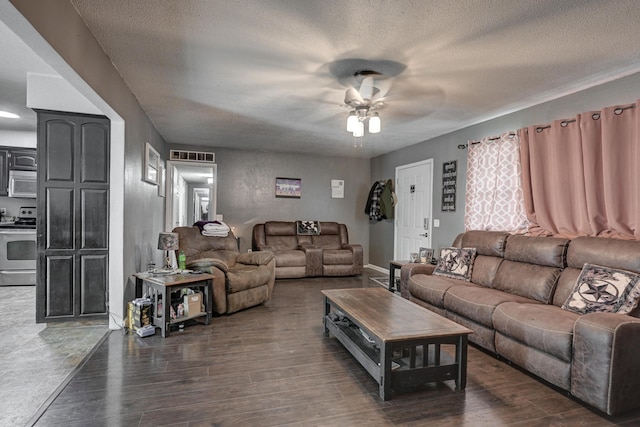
(352, 122)
(168, 241)
(374, 123)
(359, 130)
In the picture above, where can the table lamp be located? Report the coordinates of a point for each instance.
(168, 242)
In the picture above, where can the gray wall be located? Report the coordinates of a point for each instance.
(246, 190)
(444, 148)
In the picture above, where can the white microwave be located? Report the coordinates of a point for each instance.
(23, 184)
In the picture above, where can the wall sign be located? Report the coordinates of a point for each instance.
(337, 188)
(449, 178)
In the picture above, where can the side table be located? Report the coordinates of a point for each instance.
(393, 265)
(160, 287)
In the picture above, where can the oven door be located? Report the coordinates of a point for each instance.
(17, 257)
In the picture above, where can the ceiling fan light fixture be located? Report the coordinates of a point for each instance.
(352, 122)
(359, 130)
(374, 123)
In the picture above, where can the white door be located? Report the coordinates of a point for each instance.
(414, 188)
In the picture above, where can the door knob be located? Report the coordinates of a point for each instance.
(424, 235)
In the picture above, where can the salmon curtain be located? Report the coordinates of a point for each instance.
(581, 176)
(494, 198)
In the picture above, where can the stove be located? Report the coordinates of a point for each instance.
(27, 217)
(18, 249)
(26, 220)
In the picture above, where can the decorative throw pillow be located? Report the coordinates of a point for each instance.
(604, 289)
(309, 228)
(456, 263)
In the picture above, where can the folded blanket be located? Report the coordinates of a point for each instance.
(213, 228)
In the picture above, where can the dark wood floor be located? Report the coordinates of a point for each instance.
(271, 365)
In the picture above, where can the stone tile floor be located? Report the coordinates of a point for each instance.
(35, 359)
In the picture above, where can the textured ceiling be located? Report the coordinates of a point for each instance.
(269, 74)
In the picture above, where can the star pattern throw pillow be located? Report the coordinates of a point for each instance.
(605, 290)
(456, 263)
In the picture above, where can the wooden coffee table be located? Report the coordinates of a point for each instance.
(403, 349)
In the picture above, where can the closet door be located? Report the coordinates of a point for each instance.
(73, 216)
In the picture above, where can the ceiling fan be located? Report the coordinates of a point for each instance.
(369, 96)
(374, 85)
(372, 89)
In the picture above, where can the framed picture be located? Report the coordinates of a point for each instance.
(337, 188)
(425, 255)
(449, 179)
(151, 165)
(162, 181)
(289, 187)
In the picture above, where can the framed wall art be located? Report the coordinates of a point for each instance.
(162, 181)
(289, 187)
(151, 165)
(449, 178)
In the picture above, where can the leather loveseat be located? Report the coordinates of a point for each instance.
(327, 252)
(241, 280)
(514, 304)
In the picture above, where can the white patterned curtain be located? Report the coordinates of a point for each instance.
(494, 199)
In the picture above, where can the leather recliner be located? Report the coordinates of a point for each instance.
(241, 280)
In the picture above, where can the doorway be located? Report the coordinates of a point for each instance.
(191, 193)
(414, 213)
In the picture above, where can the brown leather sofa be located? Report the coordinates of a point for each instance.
(241, 280)
(513, 304)
(328, 253)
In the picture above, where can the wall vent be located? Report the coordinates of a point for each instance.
(192, 156)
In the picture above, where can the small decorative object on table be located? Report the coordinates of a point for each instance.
(425, 255)
(168, 242)
(182, 261)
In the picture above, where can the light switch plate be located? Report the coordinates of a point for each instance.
(436, 223)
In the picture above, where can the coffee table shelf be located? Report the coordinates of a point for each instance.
(355, 343)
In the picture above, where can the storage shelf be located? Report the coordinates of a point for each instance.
(183, 318)
(359, 348)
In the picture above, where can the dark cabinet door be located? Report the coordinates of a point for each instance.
(26, 160)
(4, 172)
(73, 219)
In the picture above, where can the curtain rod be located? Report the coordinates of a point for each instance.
(493, 138)
(594, 116)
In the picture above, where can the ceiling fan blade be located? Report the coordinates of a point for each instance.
(352, 97)
(383, 87)
(366, 88)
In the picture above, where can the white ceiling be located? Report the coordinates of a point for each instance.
(266, 74)
(16, 61)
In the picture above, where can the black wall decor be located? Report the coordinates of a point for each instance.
(449, 179)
